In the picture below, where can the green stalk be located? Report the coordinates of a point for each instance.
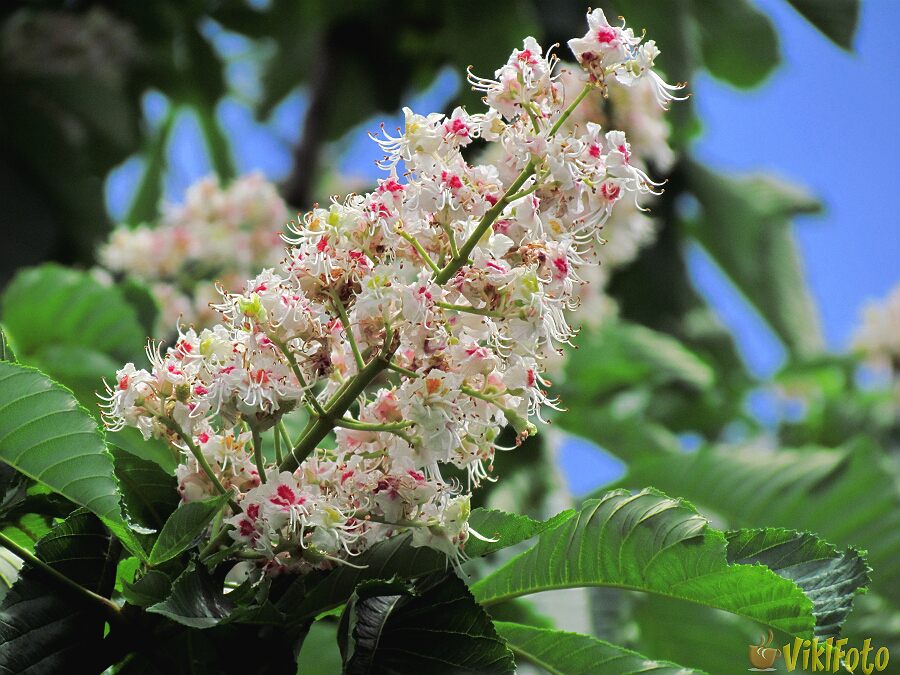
(345, 320)
(201, 460)
(109, 607)
(312, 403)
(324, 425)
(276, 435)
(258, 458)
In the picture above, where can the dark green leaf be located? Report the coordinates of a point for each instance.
(152, 588)
(154, 450)
(47, 436)
(442, 630)
(44, 627)
(184, 527)
(149, 494)
(829, 578)
(197, 599)
(837, 19)
(573, 654)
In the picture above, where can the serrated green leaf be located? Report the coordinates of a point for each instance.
(745, 226)
(829, 578)
(44, 628)
(184, 527)
(559, 651)
(846, 495)
(651, 543)
(508, 529)
(197, 599)
(836, 19)
(442, 630)
(47, 436)
(152, 588)
(149, 494)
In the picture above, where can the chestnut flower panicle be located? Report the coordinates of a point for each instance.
(413, 322)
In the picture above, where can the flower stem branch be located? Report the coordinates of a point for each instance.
(470, 310)
(258, 458)
(312, 403)
(201, 461)
(345, 320)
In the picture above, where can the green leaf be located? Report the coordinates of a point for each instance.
(507, 528)
(829, 578)
(154, 450)
(745, 227)
(308, 597)
(197, 599)
(846, 495)
(149, 494)
(738, 42)
(6, 352)
(70, 325)
(184, 527)
(648, 542)
(45, 628)
(152, 588)
(836, 19)
(442, 630)
(633, 354)
(319, 654)
(47, 436)
(561, 652)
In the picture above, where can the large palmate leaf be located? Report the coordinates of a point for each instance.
(838, 19)
(442, 630)
(846, 495)
(561, 652)
(44, 627)
(396, 557)
(47, 436)
(648, 542)
(71, 326)
(745, 226)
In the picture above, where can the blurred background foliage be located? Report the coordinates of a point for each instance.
(662, 391)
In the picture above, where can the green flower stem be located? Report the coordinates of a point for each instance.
(421, 251)
(201, 460)
(312, 403)
(258, 458)
(364, 426)
(277, 436)
(470, 310)
(342, 312)
(326, 423)
(403, 371)
(109, 607)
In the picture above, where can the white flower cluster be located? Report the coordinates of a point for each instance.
(218, 234)
(414, 321)
(878, 338)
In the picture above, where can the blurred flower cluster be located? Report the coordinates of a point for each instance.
(414, 321)
(219, 235)
(878, 338)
